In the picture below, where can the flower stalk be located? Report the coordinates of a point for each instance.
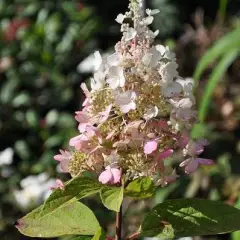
(118, 235)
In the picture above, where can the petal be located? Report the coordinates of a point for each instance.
(199, 149)
(113, 82)
(73, 141)
(126, 108)
(192, 166)
(148, 20)
(173, 89)
(58, 157)
(85, 90)
(150, 147)
(78, 141)
(183, 141)
(98, 60)
(185, 163)
(161, 49)
(185, 103)
(59, 185)
(152, 12)
(165, 154)
(113, 60)
(64, 165)
(205, 161)
(82, 127)
(130, 34)
(81, 117)
(106, 177)
(111, 134)
(116, 173)
(120, 18)
(105, 114)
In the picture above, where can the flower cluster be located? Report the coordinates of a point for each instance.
(138, 113)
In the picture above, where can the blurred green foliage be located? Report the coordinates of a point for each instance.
(226, 48)
(39, 83)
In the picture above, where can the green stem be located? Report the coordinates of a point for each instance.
(222, 10)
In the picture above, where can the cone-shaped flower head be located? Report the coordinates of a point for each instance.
(138, 113)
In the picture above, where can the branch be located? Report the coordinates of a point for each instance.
(118, 235)
(133, 236)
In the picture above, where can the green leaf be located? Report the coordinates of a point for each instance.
(99, 235)
(75, 189)
(83, 238)
(216, 75)
(235, 235)
(73, 219)
(223, 45)
(112, 197)
(32, 118)
(190, 217)
(140, 188)
(52, 117)
(22, 99)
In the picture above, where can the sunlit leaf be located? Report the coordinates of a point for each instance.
(190, 217)
(140, 188)
(112, 197)
(73, 219)
(77, 188)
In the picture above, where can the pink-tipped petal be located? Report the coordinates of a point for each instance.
(86, 102)
(58, 157)
(106, 177)
(64, 166)
(81, 117)
(116, 173)
(59, 185)
(78, 141)
(64, 158)
(105, 114)
(73, 141)
(82, 127)
(150, 147)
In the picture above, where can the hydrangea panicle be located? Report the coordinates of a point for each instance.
(138, 113)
